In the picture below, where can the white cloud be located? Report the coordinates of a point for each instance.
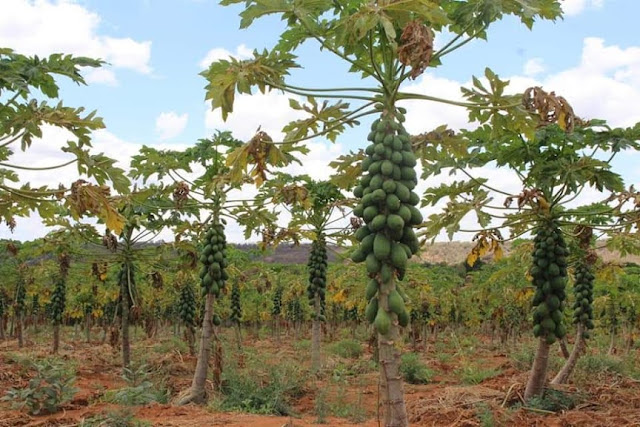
(606, 83)
(170, 125)
(128, 53)
(316, 162)
(533, 67)
(269, 111)
(43, 27)
(426, 115)
(574, 7)
(101, 75)
(218, 53)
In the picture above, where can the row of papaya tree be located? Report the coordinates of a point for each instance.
(494, 300)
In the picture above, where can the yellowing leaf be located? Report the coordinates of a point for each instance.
(498, 252)
(472, 258)
(339, 297)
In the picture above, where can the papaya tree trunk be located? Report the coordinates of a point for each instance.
(395, 413)
(190, 337)
(126, 344)
(87, 327)
(56, 338)
(2, 323)
(124, 319)
(538, 375)
(563, 376)
(612, 342)
(238, 332)
(197, 393)
(564, 349)
(316, 335)
(18, 321)
(391, 386)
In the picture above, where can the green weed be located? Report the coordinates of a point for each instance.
(261, 388)
(51, 387)
(121, 418)
(473, 374)
(347, 348)
(553, 400)
(139, 391)
(413, 370)
(485, 415)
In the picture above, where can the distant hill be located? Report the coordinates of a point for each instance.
(456, 252)
(442, 252)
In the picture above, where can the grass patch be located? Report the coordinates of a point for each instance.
(302, 346)
(473, 374)
(554, 401)
(261, 387)
(485, 415)
(413, 370)
(120, 418)
(337, 407)
(173, 344)
(347, 348)
(344, 371)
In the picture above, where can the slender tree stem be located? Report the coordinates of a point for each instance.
(12, 140)
(449, 47)
(487, 106)
(28, 168)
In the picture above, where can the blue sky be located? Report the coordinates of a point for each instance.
(183, 31)
(152, 93)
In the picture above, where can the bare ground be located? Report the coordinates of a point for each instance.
(610, 400)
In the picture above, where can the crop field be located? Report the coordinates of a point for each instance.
(391, 213)
(462, 364)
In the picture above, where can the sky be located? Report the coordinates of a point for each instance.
(151, 93)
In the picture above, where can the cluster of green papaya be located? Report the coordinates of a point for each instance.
(583, 291)
(388, 208)
(21, 295)
(317, 267)
(217, 320)
(294, 311)
(187, 306)
(57, 304)
(549, 272)
(277, 301)
(214, 260)
(236, 308)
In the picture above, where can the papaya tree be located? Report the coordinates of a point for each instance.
(22, 118)
(144, 214)
(19, 305)
(3, 313)
(386, 43)
(58, 299)
(554, 156)
(224, 165)
(315, 207)
(236, 312)
(187, 312)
